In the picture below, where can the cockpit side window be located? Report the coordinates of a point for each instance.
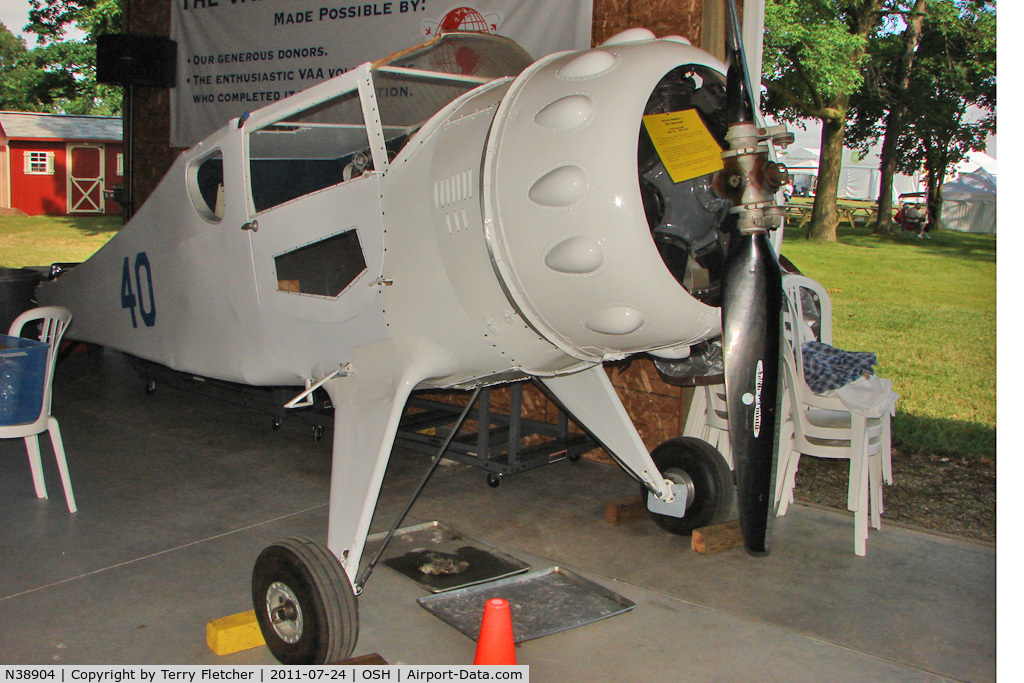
(413, 85)
(319, 147)
(206, 185)
(406, 101)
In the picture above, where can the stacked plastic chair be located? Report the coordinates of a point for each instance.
(53, 320)
(822, 426)
(708, 418)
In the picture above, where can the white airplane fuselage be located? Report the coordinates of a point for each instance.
(506, 238)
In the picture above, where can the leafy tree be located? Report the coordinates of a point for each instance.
(56, 78)
(880, 106)
(50, 19)
(816, 51)
(62, 80)
(955, 77)
(12, 47)
(13, 69)
(923, 112)
(59, 75)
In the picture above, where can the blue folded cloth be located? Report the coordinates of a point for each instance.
(827, 368)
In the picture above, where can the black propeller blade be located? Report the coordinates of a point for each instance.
(751, 304)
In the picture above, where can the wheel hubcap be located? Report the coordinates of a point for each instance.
(677, 476)
(284, 612)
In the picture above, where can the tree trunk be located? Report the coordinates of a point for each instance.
(894, 119)
(825, 215)
(936, 163)
(936, 168)
(883, 221)
(934, 202)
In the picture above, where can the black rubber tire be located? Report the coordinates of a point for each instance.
(330, 613)
(494, 479)
(713, 487)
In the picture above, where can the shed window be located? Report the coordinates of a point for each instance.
(120, 164)
(39, 163)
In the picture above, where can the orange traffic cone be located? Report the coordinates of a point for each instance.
(495, 644)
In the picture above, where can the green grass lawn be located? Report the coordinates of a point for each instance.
(928, 309)
(42, 240)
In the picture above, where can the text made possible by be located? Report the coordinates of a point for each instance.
(373, 9)
(347, 12)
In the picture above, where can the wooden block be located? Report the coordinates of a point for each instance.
(717, 537)
(625, 510)
(235, 633)
(364, 660)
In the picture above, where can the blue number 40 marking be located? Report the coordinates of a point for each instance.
(129, 299)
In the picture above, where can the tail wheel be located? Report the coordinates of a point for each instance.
(699, 466)
(304, 603)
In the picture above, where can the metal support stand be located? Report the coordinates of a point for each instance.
(368, 569)
(497, 445)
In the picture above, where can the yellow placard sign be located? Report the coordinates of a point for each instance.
(684, 144)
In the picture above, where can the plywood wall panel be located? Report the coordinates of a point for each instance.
(663, 17)
(655, 407)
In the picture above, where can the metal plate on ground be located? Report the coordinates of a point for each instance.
(440, 558)
(543, 602)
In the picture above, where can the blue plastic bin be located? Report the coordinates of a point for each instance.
(22, 379)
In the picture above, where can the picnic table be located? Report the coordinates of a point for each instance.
(798, 210)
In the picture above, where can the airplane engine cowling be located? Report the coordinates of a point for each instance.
(564, 212)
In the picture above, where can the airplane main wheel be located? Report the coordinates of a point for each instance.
(704, 471)
(304, 603)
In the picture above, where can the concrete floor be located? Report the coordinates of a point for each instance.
(178, 494)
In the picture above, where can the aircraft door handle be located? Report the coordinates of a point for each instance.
(251, 225)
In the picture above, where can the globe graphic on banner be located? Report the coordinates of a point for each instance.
(460, 59)
(463, 19)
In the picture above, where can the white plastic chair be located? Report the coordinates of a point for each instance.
(54, 320)
(823, 426)
(708, 418)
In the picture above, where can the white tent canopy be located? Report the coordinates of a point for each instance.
(973, 162)
(969, 202)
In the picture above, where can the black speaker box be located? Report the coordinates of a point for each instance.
(136, 59)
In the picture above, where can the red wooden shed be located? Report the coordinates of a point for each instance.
(56, 164)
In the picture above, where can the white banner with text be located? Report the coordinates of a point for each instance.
(235, 56)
